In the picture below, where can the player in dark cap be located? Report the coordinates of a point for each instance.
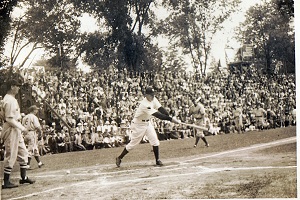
(141, 125)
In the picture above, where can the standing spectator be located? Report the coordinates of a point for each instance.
(32, 124)
(12, 136)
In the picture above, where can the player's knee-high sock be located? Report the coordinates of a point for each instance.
(156, 152)
(29, 159)
(37, 158)
(6, 178)
(23, 171)
(204, 140)
(124, 152)
(197, 140)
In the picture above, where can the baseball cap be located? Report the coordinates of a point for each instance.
(150, 90)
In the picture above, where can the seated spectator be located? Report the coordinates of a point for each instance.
(60, 141)
(72, 139)
(271, 118)
(106, 140)
(52, 141)
(78, 142)
(68, 144)
(42, 145)
(87, 141)
(97, 140)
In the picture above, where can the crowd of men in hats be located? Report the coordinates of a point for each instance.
(87, 102)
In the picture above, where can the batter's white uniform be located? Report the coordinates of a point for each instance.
(31, 123)
(141, 124)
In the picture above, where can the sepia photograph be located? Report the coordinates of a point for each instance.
(145, 99)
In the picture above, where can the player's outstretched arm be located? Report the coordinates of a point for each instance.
(162, 116)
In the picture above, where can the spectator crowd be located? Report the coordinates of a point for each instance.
(88, 111)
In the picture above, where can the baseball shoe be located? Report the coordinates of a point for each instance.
(195, 146)
(9, 185)
(118, 161)
(40, 165)
(207, 145)
(159, 163)
(27, 180)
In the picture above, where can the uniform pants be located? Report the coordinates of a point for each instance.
(199, 132)
(15, 148)
(139, 130)
(238, 123)
(32, 144)
(260, 122)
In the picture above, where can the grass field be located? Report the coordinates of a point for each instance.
(251, 165)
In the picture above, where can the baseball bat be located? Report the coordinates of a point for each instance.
(195, 126)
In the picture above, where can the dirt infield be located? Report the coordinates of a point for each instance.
(251, 165)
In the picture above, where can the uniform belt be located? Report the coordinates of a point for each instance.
(19, 120)
(258, 116)
(139, 121)
(198, 118)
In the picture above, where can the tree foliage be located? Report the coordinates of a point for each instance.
(48, 24)
(272, 35)
(122, 42)
(6, 7)
(285, 7)
(192, 25)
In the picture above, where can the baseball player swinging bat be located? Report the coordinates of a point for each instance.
(195, 126)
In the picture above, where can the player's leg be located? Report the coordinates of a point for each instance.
(23, 159)
(30, 154)
(137, 135)
(37, 157)
(200, 134)
(29, 141)
(197, 140)
(204, 140)
(154, 142)
(11, 146)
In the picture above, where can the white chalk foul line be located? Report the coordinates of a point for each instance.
(103, 181)
(171, 167)
(207, 170)
(287, 140)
